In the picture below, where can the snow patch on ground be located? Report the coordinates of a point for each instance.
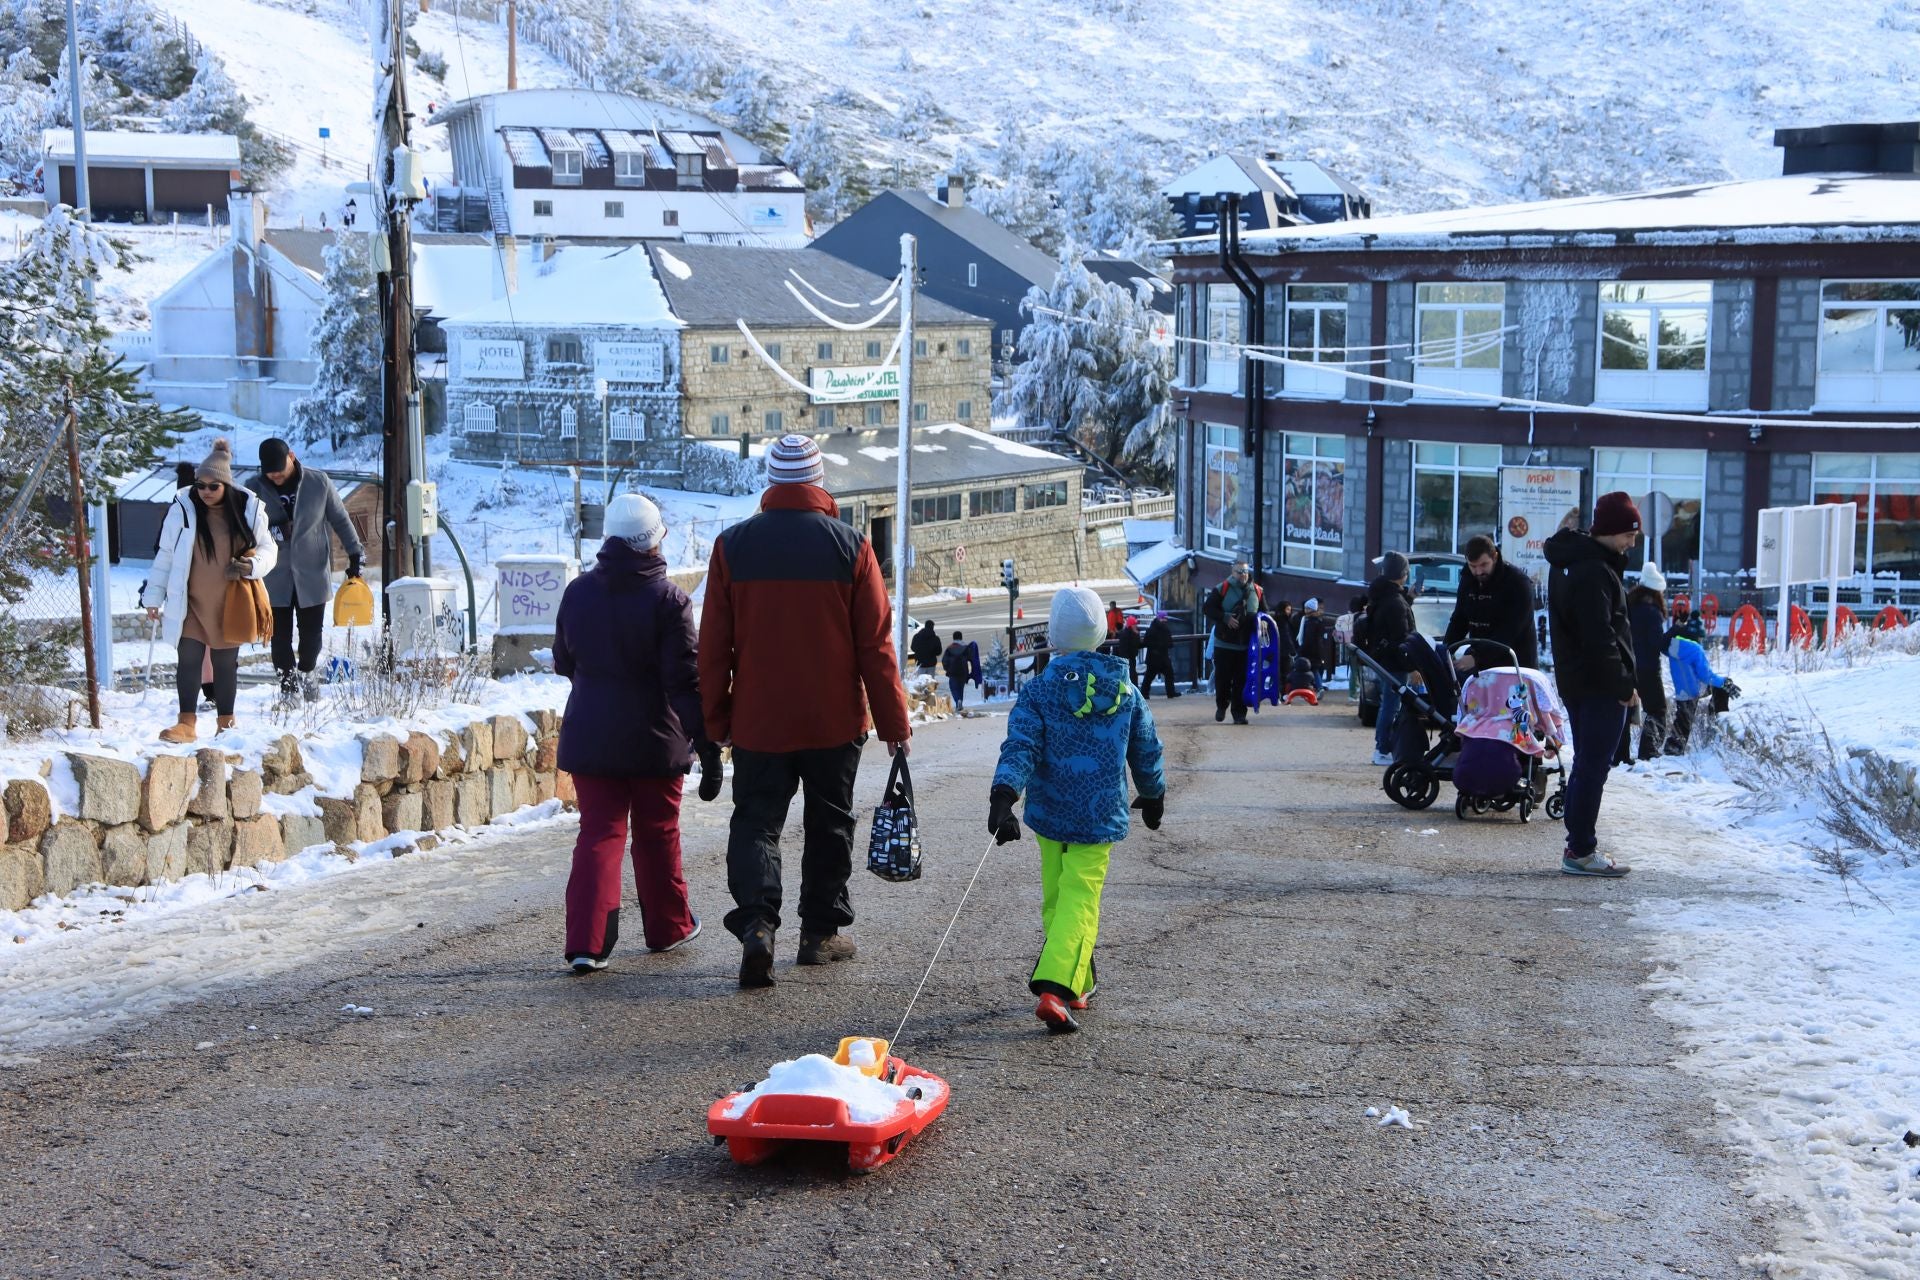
(1794, 991)
(815, 1075)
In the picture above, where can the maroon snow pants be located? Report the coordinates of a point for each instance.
(609, 808)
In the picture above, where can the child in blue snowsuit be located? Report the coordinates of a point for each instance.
(1073, 736)
(1692, 679)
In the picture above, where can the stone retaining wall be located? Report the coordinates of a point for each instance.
(207, 813)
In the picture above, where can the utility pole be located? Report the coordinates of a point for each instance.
(99, 638)
(80, 550)
(513, 45)
(409, 497)
(1253, 290)
(902, 546)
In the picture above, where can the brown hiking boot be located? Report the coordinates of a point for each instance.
(185, 731)
(825, 948)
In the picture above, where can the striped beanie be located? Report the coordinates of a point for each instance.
(795, 460)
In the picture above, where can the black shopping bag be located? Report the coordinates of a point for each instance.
(894, 851)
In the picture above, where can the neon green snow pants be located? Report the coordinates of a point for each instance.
(1071, 877)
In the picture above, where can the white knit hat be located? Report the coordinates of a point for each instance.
(1077, 620)
(795, 460)
(1651, 578)
(633, 517)
(1313, 602)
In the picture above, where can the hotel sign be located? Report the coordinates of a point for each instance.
(501, 359)
(845, 386)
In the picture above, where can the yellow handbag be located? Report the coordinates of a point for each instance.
(353, 606)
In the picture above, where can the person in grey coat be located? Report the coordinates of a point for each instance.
(302, 505)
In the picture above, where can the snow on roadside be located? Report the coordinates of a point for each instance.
(1794, 991)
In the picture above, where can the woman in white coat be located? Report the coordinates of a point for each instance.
(213, 534)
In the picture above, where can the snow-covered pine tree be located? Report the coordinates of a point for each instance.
(749, 98)
(23, 111)
(99, 98)
(345, 401)
(1057, 383)
(53, 352)
(815, 159)
(1140, 388)
(213, 104)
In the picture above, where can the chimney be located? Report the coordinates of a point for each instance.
(1892, 147)
(508, 281)
(956, 191)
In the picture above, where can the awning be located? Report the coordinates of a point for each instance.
(1149, 566)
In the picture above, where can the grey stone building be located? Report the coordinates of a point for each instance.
(1712, 350)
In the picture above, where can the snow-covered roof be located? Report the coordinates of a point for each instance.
(213, 150)
(1309, 178)
(525, 149)
(682, 144)
(769, 177)
(452, 279)
(626, 142)
(1148, 566)
(581, 285)
(560, 140)
(1228, 172)
(717, 284)
(590, 109)
(868, 461)
(1798, 209)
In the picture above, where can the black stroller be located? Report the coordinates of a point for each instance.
(1426, 748)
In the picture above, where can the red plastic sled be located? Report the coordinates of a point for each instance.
(769, 1123)
(1307, 696)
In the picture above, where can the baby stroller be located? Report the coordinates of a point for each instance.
(1509, 727)
(1425, 744)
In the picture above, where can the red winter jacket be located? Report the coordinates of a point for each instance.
(796, 636)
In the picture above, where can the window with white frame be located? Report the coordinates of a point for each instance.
(1654, 338)
(874, 350)
(689, 171)
(615, 208)
(719, 353)
(569, 422)
(629, 169)
(1316, 333)
(719, 425)
(1869, 343)
(1313, 502)
(876, 415)
(964, 347)
(478, 420)
(773, 351)
(567, 167)
(1887, 488)
(1456, 494)
(543, 208)
(1052, 493)
(1220, 504)
(626, 424)
(823, 351)
(1219, 359)
(773, 422)
(1457, 331)
(1670, 488)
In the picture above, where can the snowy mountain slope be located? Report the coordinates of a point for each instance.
(306, 66)
(1425, 102)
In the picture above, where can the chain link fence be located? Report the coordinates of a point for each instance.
(43, 656)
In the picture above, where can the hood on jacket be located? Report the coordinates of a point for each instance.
(618, 556)
(1384, 588)
(1100, 686)
(1571, 546)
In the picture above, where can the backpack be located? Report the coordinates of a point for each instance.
(1358, 632)
(954, 663)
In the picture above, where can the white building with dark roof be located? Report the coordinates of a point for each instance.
(580, 164)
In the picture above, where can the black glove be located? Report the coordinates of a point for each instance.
(236, 570)
(1001, 824)
(712, 773)
(353, 566)
(1151, 808)
(1729, 688)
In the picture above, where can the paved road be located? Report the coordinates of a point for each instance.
(1288, 952)
(987, 615)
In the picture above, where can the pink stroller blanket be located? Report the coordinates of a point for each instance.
(1515, 705)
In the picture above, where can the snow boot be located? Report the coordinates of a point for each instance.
(756, 957)
(824, 948)
(222, 723)
(1594, 864)
(675, 946)
(310, 688)
(185, 731)
(1053, 1011)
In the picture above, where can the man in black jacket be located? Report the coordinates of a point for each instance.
(925, 648)
(1495, 603)
(1389, 623)
(1159, 647)
(1592, 663)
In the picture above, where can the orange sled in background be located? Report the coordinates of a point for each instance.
(758, 1129)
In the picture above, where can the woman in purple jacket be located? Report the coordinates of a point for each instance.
(625, 638)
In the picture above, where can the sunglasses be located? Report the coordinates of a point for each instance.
(208, 486)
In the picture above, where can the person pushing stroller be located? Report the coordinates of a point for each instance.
(1073, 735)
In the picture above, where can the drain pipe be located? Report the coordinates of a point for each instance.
(1254, 377)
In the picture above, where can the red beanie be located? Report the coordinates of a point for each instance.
(1615, 513)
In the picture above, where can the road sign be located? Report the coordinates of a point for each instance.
(959, 555)
(325, 132)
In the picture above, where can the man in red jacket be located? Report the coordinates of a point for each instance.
(796, 643)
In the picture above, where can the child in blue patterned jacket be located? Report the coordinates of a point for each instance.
(1075, 732)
